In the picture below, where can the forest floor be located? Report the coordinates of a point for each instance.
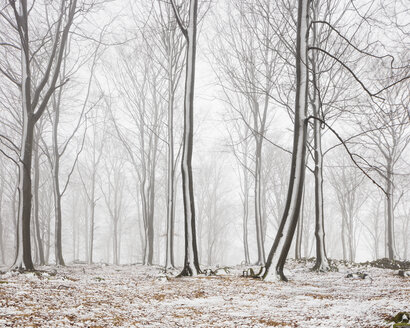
(138, 296)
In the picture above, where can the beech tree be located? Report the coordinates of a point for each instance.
(189, 30)
(37, 85)
(281, 245)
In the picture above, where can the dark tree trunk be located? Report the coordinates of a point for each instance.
(36, 202)
(191, 262)
(23, 260)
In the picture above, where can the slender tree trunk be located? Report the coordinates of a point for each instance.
(342, 235)
(115, 243)
(169, 260)
(92, 214)
(56, 183)
(299, 231)
(322, 263)
(86, 234)
(245, 208)
(191, 262)
(36, 205)
(258, 205)
(74, 231)
(151, 222)
(390, 214)
(284, 236)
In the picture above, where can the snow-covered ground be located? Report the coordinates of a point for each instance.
(137, 296)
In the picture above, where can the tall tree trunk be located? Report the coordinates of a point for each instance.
(58, 252)
(245, 208)
(115, 243)
(151, 222)
(299, 231)
(23, 260)
(281, 245)
(322, 263)
(258, 205)
(169, 259)
(191, 262)
(92, 214)
(91, 232)
(343, 237)
(86, 234)
(36, 205)
(389, 212)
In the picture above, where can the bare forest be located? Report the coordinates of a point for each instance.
(204, 163)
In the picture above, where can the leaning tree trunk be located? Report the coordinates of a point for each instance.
(281, 245)
(191, 262)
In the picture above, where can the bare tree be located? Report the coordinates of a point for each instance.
(34, 96)
(189, 30)
(347, 181)
(113, 192)
(281, 245)
(385, 132)
(170, 57)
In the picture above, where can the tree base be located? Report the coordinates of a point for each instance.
(321, 266)
(187, 271)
